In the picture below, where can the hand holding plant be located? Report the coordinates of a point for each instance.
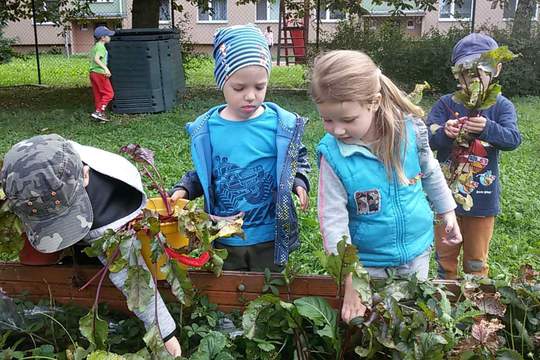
(475, 125)
(451, 227)
(452, 127)
(177, 195)
(352, 303)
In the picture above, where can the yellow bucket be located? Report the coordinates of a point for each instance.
(175, 239)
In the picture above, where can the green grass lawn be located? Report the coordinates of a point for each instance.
(30, 111)
(60, 71)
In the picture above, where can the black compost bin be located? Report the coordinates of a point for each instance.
(147, 70)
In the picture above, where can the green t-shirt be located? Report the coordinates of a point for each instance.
(101, 50)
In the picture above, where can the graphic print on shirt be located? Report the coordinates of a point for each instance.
(487, 178)
(236, 186)
(367, 202)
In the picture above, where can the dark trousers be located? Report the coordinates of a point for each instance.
(250, 258)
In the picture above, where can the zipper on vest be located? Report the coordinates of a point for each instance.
(400, 221)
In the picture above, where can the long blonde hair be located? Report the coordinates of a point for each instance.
(346, 75)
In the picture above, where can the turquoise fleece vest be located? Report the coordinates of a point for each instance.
(390, 223)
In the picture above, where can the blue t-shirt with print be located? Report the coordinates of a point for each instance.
(244, 172)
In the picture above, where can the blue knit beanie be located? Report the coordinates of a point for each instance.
(236, 47)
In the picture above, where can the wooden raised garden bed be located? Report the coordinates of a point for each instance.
(230, 291)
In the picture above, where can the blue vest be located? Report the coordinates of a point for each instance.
(390, 223)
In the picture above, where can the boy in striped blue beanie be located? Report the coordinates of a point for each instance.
(248, 156)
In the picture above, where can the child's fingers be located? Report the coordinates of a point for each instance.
(302, 197)
(178, 194)
(346, 314)
(304, 201)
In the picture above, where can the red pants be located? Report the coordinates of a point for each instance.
(477, 233)
(102, 89)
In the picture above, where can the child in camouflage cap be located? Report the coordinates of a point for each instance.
(65, 193)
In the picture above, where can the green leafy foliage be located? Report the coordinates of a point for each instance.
(104, 355)
(320, 313)
(11, 241)
(360, 283)
(138, 288)
(253, 312)
(6, 51)
(94, 329)
(154, 342)
(342, 264)
(178, 279)
(418, 93)
(202, 229)
(497, 56)
(213, 347)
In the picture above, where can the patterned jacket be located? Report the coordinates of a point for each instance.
(292, 169)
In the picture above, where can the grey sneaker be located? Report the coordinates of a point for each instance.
(99, 116)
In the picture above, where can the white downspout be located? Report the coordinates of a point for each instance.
(121, 13)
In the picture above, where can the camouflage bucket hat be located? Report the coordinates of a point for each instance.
(42, 178)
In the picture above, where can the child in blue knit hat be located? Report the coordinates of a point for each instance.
(248, 156)
(495, 129)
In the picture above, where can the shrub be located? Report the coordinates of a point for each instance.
(405, 60)
(408, 60)
(6, 53)
(522, 75)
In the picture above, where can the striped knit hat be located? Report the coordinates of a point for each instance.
(236, 47)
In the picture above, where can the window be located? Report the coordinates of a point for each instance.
(267, 10)
(218, 11)
(449, 10)
(510, 10)
(104, 1)
(164, 11)
(84, 26)
(48, 12)
(330, 15)
(410, 24)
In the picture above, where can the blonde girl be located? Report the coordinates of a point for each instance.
(376, 168)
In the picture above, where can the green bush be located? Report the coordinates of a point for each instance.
(405, 60)
(522, 75)
(6, 53)
(408, 60)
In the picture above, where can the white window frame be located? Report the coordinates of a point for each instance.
(210, 21)
(166, 22)
(104, 1)
(535, 18)
(452, 12)
(327, 19)
(45, 23)
(267, 21)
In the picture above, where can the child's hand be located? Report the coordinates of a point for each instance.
(451, 227)
(302, 197)
(475, 125)
(107, 73)
(451, 128)
(178, 194)
(352, 304)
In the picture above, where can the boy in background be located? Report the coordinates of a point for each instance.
(496, 128)
(100, 73)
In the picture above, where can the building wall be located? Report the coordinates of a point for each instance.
(83, 32)
(23, 33)
(410, 25)
(485, 16)
(202, 32)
